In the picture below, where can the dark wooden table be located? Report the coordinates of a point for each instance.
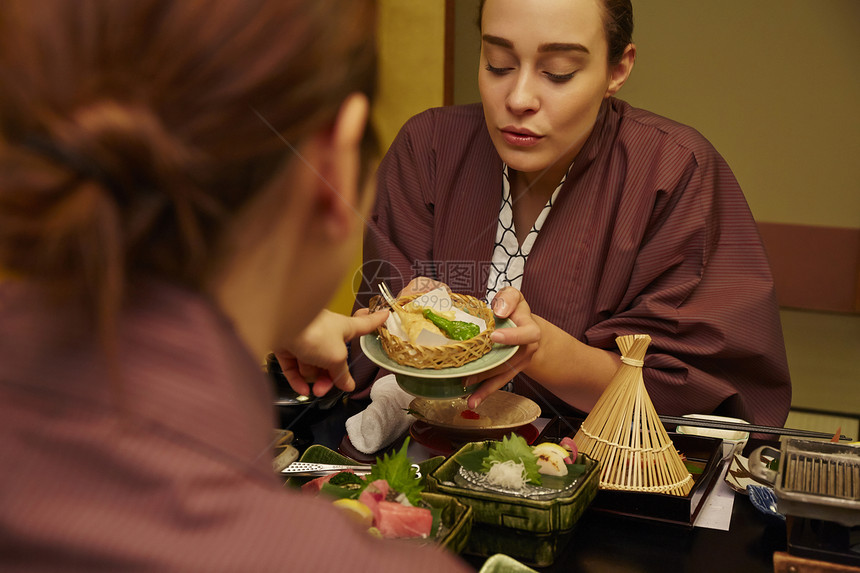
(608, 543)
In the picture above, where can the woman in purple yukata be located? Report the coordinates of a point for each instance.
(181, 189)
(582, 218)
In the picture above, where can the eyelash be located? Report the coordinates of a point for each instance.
(557, 78)
(560, 78)
(497, 71)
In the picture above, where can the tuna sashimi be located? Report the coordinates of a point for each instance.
(395, 520)
(373, 494)
(315, 485)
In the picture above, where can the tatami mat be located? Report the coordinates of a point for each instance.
(817, 422)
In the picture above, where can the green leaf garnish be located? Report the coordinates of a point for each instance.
(561, 482)
(473, 460)
(341, 491)
(397, 470)
(515, 448)
(347, 479)
(693, 467)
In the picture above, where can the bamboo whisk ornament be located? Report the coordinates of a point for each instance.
(625, 434)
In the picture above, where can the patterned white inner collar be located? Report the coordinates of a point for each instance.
(509, 257)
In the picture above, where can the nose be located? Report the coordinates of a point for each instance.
(523, 97)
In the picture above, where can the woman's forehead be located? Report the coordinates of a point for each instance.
(532, 24)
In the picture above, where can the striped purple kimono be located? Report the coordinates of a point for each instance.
(650, 234)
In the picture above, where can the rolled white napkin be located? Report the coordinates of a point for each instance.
(384, 420)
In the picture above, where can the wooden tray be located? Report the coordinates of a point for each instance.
(701, 451)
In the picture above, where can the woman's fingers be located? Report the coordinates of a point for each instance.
(290, 369)
(497, 377)
(322, 385)
(364, 323)
(316, 359)
(528, 333)
(507, 301)
(338, 375)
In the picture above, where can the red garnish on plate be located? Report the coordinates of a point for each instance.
(470, 415)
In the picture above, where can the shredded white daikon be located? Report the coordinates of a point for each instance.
(508, 474)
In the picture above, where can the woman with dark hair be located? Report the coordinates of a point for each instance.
(607, 219)
(179, 194)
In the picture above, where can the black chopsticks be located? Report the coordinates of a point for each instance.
(753, 428)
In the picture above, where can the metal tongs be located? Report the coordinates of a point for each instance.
(308, 469)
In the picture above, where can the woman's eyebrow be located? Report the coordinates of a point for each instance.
(543, 48)
(563, 47)
(497, 41)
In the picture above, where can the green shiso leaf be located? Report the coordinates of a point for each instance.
(561, 482)
(397, 470)
(516, 449)
(472, 460)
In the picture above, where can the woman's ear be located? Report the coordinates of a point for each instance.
(619, 73)
(338, 189)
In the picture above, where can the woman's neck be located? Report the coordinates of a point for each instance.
(529, 195)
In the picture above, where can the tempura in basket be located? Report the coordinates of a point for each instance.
(437, 330)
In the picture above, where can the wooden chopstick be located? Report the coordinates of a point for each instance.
(753, 428)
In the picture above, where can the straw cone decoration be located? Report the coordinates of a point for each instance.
(625, 434)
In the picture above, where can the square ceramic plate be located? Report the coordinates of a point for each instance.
(456, 516)
(530, 530)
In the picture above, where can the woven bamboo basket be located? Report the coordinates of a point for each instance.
(444, 356)
(625, 434)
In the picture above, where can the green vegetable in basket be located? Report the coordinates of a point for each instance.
(453, 329)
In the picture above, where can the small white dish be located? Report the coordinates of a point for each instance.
(733, 440)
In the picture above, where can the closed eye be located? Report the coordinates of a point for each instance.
(498, 71)
(560, 78)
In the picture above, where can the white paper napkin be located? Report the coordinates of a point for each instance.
(384, 420)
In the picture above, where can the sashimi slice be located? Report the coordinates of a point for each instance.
(315, 485)
(374, 493)
(395, 520)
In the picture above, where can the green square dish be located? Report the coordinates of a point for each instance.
(531, 530)
(456, 516)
